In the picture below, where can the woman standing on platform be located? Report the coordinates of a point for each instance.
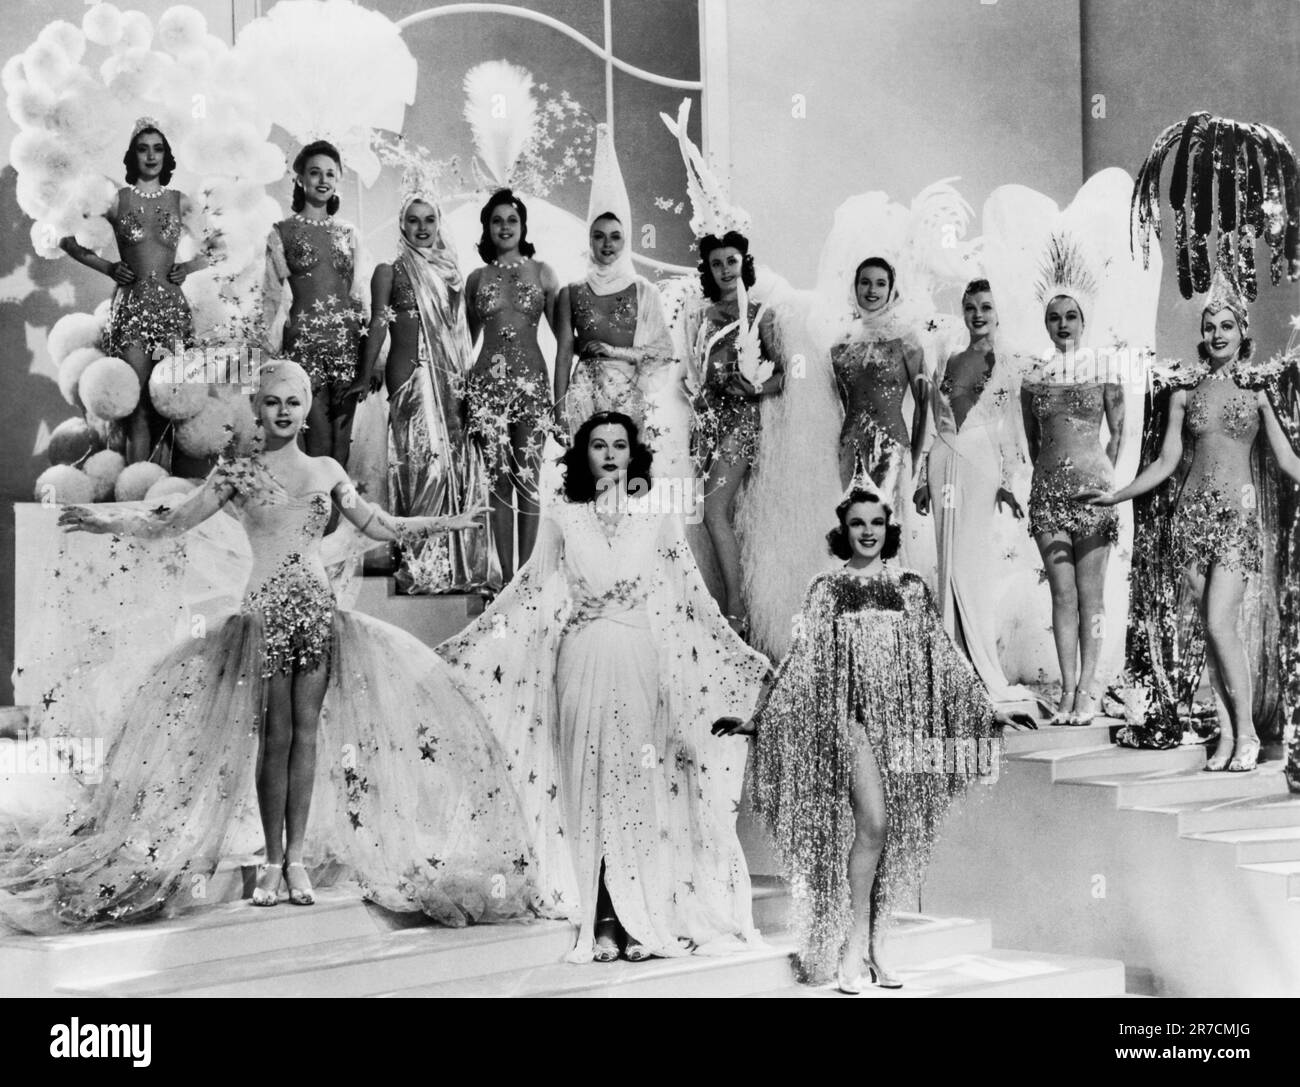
(506, 392)
(872, 725)
(727, 404)
(413, 797)
(613, 320)
(419, 300)
(601, 668)
(1063, 405)
(965, 480)
(317, 255)
(149, 316)
(1217, 537)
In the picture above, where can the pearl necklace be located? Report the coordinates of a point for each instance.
(327, 221)
(498, 263)
(148, 195)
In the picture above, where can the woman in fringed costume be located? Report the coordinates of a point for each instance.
(613, 321)
(411, 796)
(601, 667)
(872, 725)
(1214, 551)
(150, 317)
(318, 256)
(507, 392)
(433, 470)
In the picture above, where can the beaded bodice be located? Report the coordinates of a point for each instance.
(525, 297)
(609, 318)
(137, 219)
(1069, 416)
(402, 298)
(306, 244)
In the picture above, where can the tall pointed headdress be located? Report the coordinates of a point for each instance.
(1225, 294)
(609, 197)
(712, 211)
(1065, 270)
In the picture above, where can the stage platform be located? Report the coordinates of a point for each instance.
(1192, 879)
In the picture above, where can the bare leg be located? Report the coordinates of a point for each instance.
(273, 774)
(308, 694)
(503, 523)
(319, 436)
(1057, 552)
(719, 502)
(526, 492)
(1225, 591)
(1195, 581)
(137, 425)
(867, 796)
(1091, 555)
(341, 413)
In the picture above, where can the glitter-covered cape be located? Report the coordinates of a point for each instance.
(1166, 642)
(869, 660)
(411, 796)
(602, 667)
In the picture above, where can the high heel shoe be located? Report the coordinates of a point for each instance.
(300, 896)
(1218, 762)
(606, 941)
(267, 896)
(1245, 756)
(848, 986)
(1062, 716)
(635, 951)
(880, 978)
(1084, 717)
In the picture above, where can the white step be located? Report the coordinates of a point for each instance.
(1046, 737)
(1287, 872)
(995, 973)
(1255, 845)
(1159, 788)
(1069, 763)
(1237, 813)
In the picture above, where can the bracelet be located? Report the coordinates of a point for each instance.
(366, 523)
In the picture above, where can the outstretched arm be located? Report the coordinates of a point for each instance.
(1160, 469)
(372, 521)
(151, 524)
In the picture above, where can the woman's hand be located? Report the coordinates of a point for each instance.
(178, 273)
(1005, 497)
(733, 726)
(120, 272)
(739, 385)
(80, 519)
(1095, 496)
(358, 390)
(1017, 719)
(376, 379)
(459, 522)
(921, 499)
(596, 349)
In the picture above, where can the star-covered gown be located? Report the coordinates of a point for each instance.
(601, 668)
(411, 798)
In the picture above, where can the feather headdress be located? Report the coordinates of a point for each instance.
(1065, 271)
(502, 113)
(1242, 176)
(712, 211)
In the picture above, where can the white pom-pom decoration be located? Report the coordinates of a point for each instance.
(102, 311)
(170, 487)
(48, 64)
(12, 76)
(137, 31)
(109, 431)
(109, 388)
(65, 485)
(94, 233)
(181, 29)
(45, 240)
(70, 371)
(102, 25)
(135, 480)
(103, 468)
(30, 106)
(63, 35)
(207, 433)
(176, 387)
(71, 440)
(70, 332)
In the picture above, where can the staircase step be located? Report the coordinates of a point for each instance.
(1046, 737)
(993, 973)
(1255, 845)
(1158, 788)
(1069, 763)
(1235, 813)
(353, 966)
(1285, 870)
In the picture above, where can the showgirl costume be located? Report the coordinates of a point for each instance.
(1201, 516)
(412, 797)
(966, 466)
(601, 668)
(614, 305)
(149, 314)
(433, 470)
(869, 664)
(323, 338)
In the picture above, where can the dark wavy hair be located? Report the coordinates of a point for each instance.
(974, 287)
(837, 539)
(874, 262)
(132, 167)
(487, 249)
(732, 239)
(579, 483)
(316, 147)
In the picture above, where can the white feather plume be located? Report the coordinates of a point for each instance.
(502, 112)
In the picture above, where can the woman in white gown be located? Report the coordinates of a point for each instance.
(602, 667)
(965, 483)
(362, 752)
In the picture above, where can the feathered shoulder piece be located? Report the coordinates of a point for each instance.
(1177, 374)
(1261, 375)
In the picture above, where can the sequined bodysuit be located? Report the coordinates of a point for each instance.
(1217, 519)
(727, 423)
(600, 383)
(872, 376)
(324, 326)
(1070, 459)
(150, 313)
